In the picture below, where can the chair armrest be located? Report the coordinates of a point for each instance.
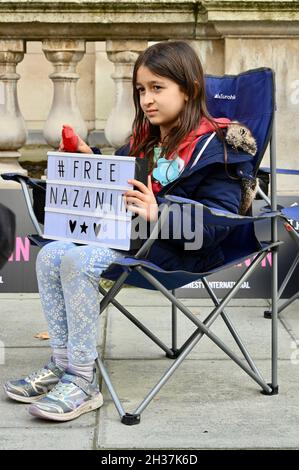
(291, 212)
(214, 216)
(32, 183)
(13, 176)
(281, 171)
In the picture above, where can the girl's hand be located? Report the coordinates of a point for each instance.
(83, 147)
(142, 201)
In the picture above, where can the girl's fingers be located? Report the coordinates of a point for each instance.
(139, 185)
(60, 148)
(134, 193)
(149, 183)
(133, 200)
(144, 212)
(136, 210)
(83, 147)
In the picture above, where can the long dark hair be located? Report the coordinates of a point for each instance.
(179, 62)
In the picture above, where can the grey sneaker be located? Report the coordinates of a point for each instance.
(70, 398)
(35, 385)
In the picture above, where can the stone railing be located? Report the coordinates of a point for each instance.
(229, 35)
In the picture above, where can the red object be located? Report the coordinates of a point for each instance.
(69, 139)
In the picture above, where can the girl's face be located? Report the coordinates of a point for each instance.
(161, 99)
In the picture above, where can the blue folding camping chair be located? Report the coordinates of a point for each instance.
(249, 98)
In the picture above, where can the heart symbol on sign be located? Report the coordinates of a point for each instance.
(96, 228)
(72, 225)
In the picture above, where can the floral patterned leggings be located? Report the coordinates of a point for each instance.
(68, 278)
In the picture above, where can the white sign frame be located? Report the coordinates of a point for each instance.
(84, 199)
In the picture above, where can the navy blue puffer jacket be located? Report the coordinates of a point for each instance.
(208, 183)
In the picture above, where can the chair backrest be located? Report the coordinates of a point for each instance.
(248, 98)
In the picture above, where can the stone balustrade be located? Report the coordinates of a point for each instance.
(230, 36)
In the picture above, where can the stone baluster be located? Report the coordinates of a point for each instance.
(13, 132)
(123, 54)
(64, 55)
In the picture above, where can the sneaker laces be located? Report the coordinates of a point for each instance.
(39, 373)
(61, 389)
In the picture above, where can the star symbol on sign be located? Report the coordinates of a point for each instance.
(84, 228)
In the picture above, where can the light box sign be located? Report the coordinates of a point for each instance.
(84, 198)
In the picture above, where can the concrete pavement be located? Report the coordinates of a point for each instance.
(209, 403)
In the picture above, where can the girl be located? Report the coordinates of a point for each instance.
(171, 127)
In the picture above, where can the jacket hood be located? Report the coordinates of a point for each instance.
(186, 148)
(240, 143)
(241, 147)
(188, 145)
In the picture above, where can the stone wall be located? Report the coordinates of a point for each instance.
(230, 36)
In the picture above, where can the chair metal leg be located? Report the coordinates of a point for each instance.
(202, 329)
(213, 315)
(216, 311)
(167, 375)
(274, 336)
(110, 387)
(29, 207)
(136, 322)
(174, 329)
(187, 350)
(274, 272)
(288, 276)
(287, 302)
(126, 418)
(232, 330)
(282, 306)
(113, 291)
